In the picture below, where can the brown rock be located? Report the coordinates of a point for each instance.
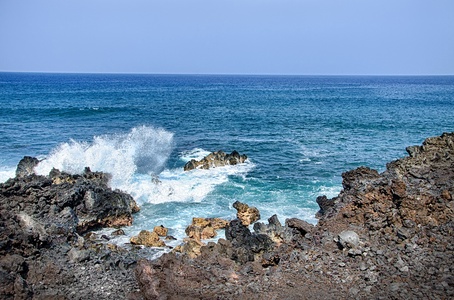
(403, 216)
(247, 215)
(147, 238)
(161, 230)
(302, 226)
(205, 228)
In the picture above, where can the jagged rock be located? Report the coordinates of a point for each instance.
(41, 218)
(118, 232)
(248, 245)
(161, 230)
(404, 217)
(324, 204)
(200, 229)
(26, 166)
(246, 214)
(147, 238)
(216, 159)
(191, 247)
(301, 226)
(204, 228)
(274, 230)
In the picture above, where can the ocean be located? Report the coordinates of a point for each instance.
(300, 134)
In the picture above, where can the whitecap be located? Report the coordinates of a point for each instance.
(7, 173)
(143, 150)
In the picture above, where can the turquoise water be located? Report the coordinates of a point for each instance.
(299, 132)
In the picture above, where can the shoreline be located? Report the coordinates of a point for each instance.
(385, 235)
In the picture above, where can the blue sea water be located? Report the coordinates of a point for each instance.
(299, 132)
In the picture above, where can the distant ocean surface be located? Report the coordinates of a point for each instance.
(299, 132)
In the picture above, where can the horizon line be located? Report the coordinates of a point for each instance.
(220, 74)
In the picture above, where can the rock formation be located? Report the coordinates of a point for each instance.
(216, 159)
(42, 252)
(148, 239)
(247, 215)
(386, 236)
(200, 229)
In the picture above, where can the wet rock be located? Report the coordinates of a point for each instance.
(26, 166)
(41, 251)
(216, 159)
(118, 232)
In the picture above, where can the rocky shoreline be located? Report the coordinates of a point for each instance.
(387, 235)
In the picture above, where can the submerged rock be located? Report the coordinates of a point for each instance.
(216, 159)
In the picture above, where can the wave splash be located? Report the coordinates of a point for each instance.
(144, 150)
(137, 162)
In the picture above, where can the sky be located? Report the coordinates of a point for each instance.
(307, 37)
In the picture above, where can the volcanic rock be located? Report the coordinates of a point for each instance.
(161, 230)
(26, 166)
(246, 214)
(200, 229)
(42, 254)
(348, 239)
(147, 238)
(216, 159)
(397, 229)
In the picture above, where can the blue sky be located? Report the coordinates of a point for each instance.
(311, 37)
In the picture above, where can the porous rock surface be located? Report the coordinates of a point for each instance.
(43, 254)
(385, 236)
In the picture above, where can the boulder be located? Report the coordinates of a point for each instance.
(216, 159)
(246, 214)
(204, 228)
(148, 239)
(161, 230)
(247, 246)
(200, 229)
(301, 226)
(274, 230)
(348, 239)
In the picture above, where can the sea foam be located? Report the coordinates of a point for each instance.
(144, 150)
(137, 162)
